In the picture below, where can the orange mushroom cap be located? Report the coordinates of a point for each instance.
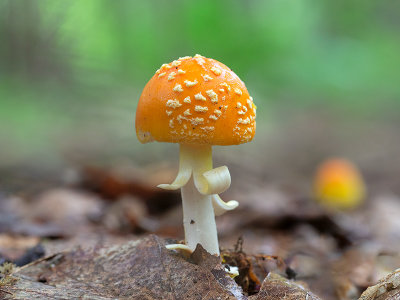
(195, 100)
(339, 184)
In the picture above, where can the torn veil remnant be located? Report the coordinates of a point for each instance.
(197, 102)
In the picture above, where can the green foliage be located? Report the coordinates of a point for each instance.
(307, 49)
(61, 57)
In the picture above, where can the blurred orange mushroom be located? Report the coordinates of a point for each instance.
(197, 102)
(339, 184)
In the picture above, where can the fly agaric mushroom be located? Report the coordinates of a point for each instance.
(197, 102)
(339, 185)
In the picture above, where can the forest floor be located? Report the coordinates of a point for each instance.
(99, 232)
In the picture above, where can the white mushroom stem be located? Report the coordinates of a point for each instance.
(198, 219)
(199, 195)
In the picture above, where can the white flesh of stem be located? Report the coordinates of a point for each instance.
(198, 219)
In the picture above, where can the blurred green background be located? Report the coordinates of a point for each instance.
(324, 74)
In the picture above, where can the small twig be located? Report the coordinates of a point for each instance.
(239, 245)
(7, 292)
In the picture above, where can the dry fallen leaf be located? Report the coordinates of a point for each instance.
(352, 272)
(111, 185)
(276, 287)
(13, 246)
(388, 288)
(57, 212)
(142, 269)
(124, 215)
(64, 207)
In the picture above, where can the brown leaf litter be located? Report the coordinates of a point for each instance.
(142, 269)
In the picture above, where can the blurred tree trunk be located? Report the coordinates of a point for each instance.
(29, 49)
